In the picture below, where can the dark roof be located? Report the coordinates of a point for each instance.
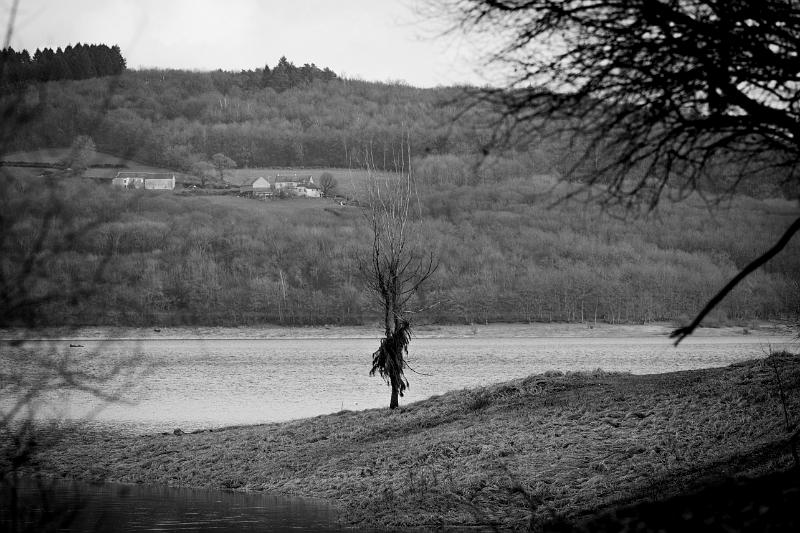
(146, 175)
(296, 179)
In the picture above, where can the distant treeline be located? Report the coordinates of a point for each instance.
(286, 75)
(82, 253)
(79, 62)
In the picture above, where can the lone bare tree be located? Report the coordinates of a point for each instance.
(658, 95)
(396, 268)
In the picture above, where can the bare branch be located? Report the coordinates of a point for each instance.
(681, 333)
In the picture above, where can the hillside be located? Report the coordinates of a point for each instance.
(114, 257)
(163, 118)
(174, 119)
(511, 249)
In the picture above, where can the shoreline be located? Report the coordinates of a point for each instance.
(576, 443)
(429, 331)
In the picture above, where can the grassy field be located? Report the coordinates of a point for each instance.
(547, 448)
(350, 182)
(283, 207)
(55, 155)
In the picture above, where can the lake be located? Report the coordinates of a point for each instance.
(235, 377)
(82, 507)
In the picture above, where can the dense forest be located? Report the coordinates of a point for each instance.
(165, 118)
(84, 253)
(78, 62)
(99, 255)
(285, 116)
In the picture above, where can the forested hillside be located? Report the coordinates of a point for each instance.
(289, 116)
(80, 252)
(176, 118)
(144, 258)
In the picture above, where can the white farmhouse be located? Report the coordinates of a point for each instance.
(283, 183)
(308, 190)
(145, 180)
(297, 186)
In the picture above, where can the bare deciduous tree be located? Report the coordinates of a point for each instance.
(327, 183)
(222, 163)
(656, 96)
(396, 268)
(204, 171)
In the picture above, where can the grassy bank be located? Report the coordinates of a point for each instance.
(528, 450)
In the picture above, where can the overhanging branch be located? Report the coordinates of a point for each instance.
(681, 333)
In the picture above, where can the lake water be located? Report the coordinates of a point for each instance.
(82, 507)
(212, 382)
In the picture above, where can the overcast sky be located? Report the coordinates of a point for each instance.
(377, 40)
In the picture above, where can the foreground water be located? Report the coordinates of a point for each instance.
(231, 378)
(82, 507)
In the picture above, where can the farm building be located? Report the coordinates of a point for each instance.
(257, 188)
(308, 190)
(297, 186)
(145, 180)
(283, 183)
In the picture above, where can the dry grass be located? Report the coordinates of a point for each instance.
(517, 453)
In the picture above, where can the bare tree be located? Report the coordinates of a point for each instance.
(327, 183)
(396, 268)
(222, 163)
(204, 171)
(80, 155)
(655, 96)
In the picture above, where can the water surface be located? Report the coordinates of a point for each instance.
(202, 383)
(83, 507)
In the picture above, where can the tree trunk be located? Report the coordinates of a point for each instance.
(394, 402)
